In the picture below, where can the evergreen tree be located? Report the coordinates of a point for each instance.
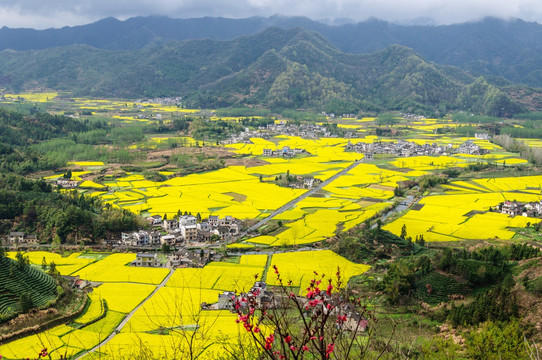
(22, 261)
(403, 232)
(25, 302)
(52, 268)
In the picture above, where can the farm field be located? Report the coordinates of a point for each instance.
(243, 192)
(172, 316)
(463, 213)
(65, 265)
(140, 174)
(298, 268)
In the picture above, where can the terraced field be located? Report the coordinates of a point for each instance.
(39, 286)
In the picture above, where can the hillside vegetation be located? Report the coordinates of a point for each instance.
(22, 287)
(276, 68)
(508, 50)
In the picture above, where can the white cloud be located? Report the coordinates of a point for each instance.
(58, 13)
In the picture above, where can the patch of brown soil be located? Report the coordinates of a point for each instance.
(210, 152)
(248, 162)
(236, 196)
(381, 187)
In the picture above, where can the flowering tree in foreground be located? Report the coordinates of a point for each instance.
(325, 323)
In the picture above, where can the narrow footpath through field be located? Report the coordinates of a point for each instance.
(127, 318)
(291, 203)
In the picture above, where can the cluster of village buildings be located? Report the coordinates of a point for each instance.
(67, 183)
(302, 182)
(515, 208)
(306, 131)
(180, 258)
(162, 101)
(404, 148)
(183, 230)
(286, 152)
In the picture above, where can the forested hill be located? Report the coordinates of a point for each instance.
(276, 68)
(508, 49)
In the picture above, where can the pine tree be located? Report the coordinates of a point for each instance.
(52, 268)
(403, 232)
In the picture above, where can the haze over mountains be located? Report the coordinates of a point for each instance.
(224, 62)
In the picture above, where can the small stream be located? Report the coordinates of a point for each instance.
(402, 206)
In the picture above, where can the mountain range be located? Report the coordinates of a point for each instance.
(509, 49)
(278, 67)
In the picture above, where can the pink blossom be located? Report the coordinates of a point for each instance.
(329, 349)
(288, 339)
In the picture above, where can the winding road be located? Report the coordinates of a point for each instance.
(127, 318)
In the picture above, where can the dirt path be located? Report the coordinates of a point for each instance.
(127, 318)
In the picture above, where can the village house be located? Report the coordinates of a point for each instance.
(203, 226)
(181, 258)
(213, 220)
(141, 237)
(30, 239)
(203, 236)
(509, 208)
(16, 237)
(146, 260)
(154, 237)
(168, 224)
(154, 220)
(67, 183)
(226, 221)
(187, 220)
(168, 239)
(189, 233)
(482, 136)
(225, 300)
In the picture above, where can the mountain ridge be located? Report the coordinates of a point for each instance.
(293, 68)
(504, 49)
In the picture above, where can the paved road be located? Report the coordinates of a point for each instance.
(127, 318)
(291, 203)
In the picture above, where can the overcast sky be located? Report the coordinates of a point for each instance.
(42, 14)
